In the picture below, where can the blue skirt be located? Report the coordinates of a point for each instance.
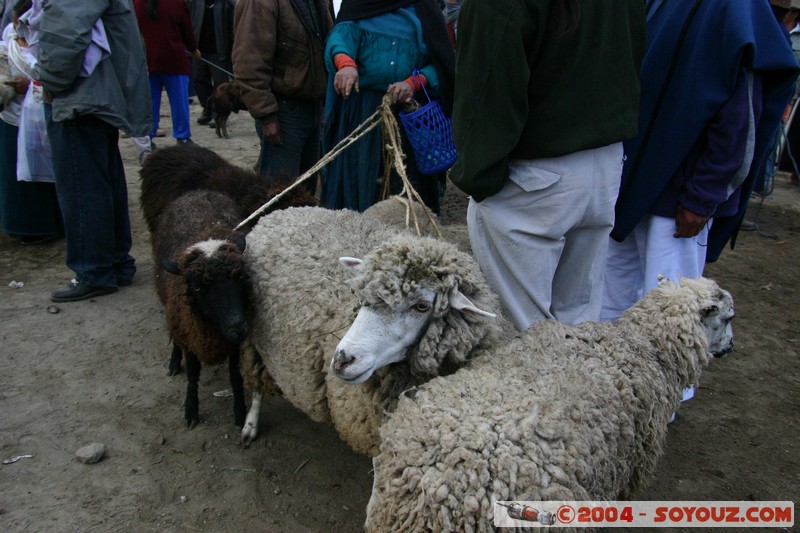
(26, 209)
(354, 179)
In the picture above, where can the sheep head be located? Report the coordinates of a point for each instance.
(213, 276)
(688, 321)
(417, 306)
(716, 311)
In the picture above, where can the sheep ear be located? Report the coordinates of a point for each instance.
(240, 242)
(461, 303)
(353, 263)
(170, 266)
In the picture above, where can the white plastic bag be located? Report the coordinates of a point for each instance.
(34, 158)
(20, 57)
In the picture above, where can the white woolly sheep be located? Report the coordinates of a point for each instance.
(426, 303)
(394, 211)
(559, 413)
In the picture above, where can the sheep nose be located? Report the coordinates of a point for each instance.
(241, 329)
(725, 351)
(341, 360)
(236, 330)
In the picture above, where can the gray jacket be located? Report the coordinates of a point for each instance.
(5, 12)
(118, 90)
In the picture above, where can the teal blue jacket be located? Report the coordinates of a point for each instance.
(386, 48)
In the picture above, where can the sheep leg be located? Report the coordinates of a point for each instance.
(223, 125)
(192, 406)
(175, 361)
(250, 429)
(237, 385)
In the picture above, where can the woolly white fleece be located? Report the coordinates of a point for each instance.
(560, 412)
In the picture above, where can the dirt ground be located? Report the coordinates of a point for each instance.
(95, 371)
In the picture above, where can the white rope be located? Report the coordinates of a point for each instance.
(393, 154)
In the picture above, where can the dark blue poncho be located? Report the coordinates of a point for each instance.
(723, 35)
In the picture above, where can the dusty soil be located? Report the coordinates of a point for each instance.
(95, 371)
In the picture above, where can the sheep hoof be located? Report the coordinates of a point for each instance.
(192, 417)
(174, 371)
(249, 434)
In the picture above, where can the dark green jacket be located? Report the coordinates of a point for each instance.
(522, 92)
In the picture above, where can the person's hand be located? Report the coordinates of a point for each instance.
(272, 133)
(401, 92)
(19, 83)
(688, 224)
(346, 81)
(196, 54)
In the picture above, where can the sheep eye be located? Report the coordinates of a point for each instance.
(422, 307)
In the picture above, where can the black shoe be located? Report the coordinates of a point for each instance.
(203, 119)
(75, 291)
(39, 239)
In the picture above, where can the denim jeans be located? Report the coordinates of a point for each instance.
(300, 123)
(91, 188)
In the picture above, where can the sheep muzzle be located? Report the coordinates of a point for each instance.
(341, 360)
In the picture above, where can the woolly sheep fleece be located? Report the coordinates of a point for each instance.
(303, 305)
(395, 212)
(560, 413)
(192, 218)
(171, 172)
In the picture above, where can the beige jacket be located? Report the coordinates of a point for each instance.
(278, 52)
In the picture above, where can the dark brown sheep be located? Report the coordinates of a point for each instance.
(192, 199)
(170, 172)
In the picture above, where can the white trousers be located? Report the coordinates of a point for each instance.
(634, 265)
(541, 241)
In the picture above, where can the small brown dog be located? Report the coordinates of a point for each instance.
(226, 99)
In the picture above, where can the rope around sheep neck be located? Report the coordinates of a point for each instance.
(392, 156)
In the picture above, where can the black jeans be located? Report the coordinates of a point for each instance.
(93, 193)
(205, 78)
(300, 123)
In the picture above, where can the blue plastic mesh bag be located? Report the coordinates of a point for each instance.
(430, 133)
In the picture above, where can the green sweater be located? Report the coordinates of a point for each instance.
(524, 93)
